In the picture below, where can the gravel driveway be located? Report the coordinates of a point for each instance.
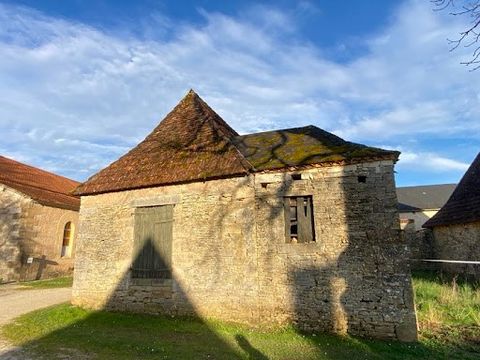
(15, 302)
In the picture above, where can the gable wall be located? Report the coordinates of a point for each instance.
(231, 261)
(29, 229)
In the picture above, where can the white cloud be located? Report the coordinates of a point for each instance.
(431, 161)
(73, 98)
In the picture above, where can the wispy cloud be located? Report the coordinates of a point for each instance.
(431, 161)
(73, 98)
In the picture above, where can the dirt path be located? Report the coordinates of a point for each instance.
(15, 302)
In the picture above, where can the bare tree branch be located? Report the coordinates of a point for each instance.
(470, 10)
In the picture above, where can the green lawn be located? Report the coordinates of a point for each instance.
(59, 282)
(448, 309)
(65, 330)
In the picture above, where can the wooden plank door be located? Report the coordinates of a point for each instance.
(153, 242)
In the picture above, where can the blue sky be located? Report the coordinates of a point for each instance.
(81, 82)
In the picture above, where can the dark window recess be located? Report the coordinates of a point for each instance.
(296, 176)
(362, 179)
(153, 243)
(299, 227)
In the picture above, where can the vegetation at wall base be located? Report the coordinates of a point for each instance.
(447, 314)
(59, 282)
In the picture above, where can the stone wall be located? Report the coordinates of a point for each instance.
(458, 242)
(11, 204)
(29, 229)
(231, 260)
(420, 243)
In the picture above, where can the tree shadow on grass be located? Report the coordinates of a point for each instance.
(67, 332)
(110, 335)
(324, 296)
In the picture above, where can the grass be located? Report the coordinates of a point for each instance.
(65, 330)
(59, 282)
(448, 309)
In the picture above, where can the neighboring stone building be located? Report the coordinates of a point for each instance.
(289, 226)
(38, 220)
(420, 203)
(456, 227)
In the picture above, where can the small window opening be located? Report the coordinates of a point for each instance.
(264, 185)
(299, 227)
(362, 179)
(67, 240)
(296, 176)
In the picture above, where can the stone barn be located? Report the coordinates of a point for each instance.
(456, 227)
(38, 222)
(290, 226)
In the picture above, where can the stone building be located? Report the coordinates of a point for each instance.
(420, 203)
(290, 226)
(417, 204)
(456, 227)
(38, 221)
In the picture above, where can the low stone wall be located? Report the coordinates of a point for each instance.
(231, 260)
(458, 242)
(421, 245)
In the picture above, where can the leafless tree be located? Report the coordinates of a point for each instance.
(470, 10)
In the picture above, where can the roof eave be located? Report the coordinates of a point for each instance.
(389, 157)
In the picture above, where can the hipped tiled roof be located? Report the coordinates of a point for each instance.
(304, 146)
(193, 143)
(464, 204)
(42, 186)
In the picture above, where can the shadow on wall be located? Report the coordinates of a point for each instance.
(332, 294)
(21, 258)
(365, 288)
(168, 333)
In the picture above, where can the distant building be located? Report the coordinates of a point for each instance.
(420, 203)
(38, 222)
(456, 226)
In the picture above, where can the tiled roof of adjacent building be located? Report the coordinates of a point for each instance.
(193, 143)
(464, 204)
(417, 198)
(42, 186)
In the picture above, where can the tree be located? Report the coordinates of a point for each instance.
(469, 9)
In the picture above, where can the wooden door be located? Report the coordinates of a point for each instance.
(153, 242)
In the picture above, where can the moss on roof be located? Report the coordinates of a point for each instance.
(302, 146)
(193, 143)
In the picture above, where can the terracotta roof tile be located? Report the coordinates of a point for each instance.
(193, 143)
(42, 186)
(464, 204)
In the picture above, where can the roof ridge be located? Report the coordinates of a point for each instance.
(214, 121)
(463, 206)
(286, 129)
(229, 139)
(417, 186)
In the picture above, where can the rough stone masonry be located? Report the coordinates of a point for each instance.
(231, 261)
(294, 226)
